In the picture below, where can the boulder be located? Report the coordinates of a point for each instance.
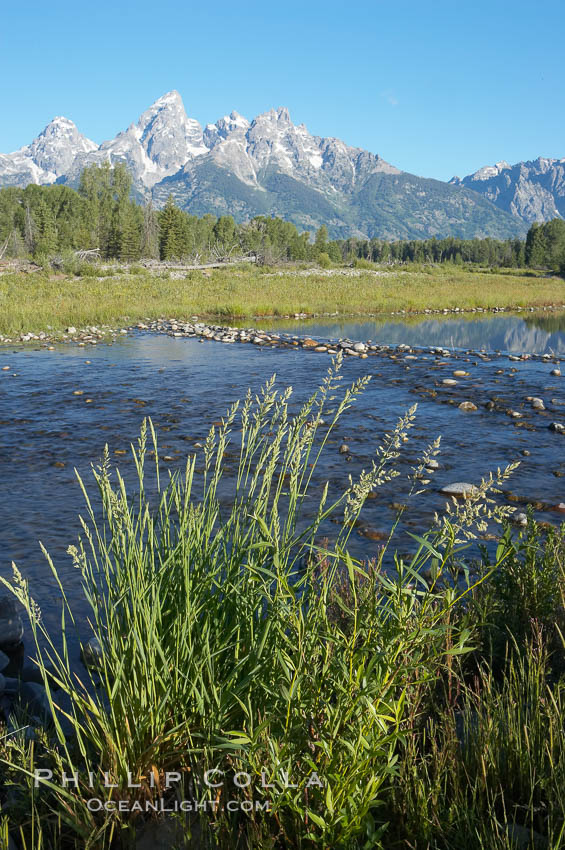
(34, 698)
(11, 626)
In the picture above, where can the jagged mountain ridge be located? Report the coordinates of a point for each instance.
(532, 190)
(265, 166)
(48, 157)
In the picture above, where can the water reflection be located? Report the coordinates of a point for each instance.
(517, 334)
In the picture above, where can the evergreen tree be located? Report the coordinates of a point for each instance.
(321, 239)
(130, 243)
(149, 233)
(535, 246)
(46, 230)
(168, 230)
(30, 231)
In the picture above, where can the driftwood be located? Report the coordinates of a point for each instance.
(88, 254)
(220, 264)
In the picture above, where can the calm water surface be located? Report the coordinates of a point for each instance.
(184, 385)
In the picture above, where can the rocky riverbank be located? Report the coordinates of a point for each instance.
(93, 334)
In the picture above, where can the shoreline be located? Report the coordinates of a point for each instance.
(227, 334)
(92, 333)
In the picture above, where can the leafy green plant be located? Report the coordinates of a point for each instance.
(220, 648)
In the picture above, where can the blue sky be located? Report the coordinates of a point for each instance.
(436, 88)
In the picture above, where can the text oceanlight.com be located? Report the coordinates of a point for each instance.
(95, 804)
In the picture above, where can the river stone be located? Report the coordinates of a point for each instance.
(460, 373)
(32, 673)
(449, 382)
(360, 347)
(556, 373)
(92, 653)
(558, 427)
(467, 405)
(520, 519)
(4, 660)
(459, 489)
(537, 404)
(11, 626)
(71, 330)
(343, 449)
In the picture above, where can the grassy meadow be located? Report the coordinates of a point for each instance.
(427, 700)
(43, 301)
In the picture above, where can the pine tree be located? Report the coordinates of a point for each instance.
(149, 233)
(321, 239)
(535, 246)
(30, 231)
(167, 221)
(130, 244)
(46, 242)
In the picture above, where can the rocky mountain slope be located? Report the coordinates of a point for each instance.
(50, 156)
(266, 166)
(532, 191)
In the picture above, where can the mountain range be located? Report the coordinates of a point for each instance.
(270, 166)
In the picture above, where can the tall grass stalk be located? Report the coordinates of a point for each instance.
(234, 640)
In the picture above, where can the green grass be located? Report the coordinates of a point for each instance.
(33, 302)
(234, 638)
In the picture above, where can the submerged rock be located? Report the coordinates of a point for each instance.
(35, 699)
(91, 653)
(11, 626)
(467, 405)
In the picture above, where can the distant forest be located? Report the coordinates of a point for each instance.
(45, 221)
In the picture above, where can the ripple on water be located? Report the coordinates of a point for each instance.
(46, 431)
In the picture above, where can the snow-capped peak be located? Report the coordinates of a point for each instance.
(489, 171)
(57, 146)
